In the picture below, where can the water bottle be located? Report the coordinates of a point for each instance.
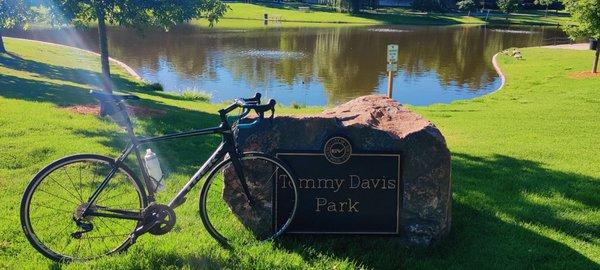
(154, 171)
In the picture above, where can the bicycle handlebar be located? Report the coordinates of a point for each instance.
(249, 104)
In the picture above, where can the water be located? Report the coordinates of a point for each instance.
(313, 66)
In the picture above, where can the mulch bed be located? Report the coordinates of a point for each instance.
(135, 111)
(584, 74)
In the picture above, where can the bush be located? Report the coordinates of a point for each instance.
(196, 96)
(155, 87)
(297, 105)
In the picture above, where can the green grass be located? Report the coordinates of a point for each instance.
(251, 16)
(525, 170)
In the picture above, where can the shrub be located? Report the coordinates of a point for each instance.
(297, 105)
(155, 87)
(196, 96)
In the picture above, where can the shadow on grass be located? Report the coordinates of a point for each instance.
(405, 18)
(498, 199)
(488, 191)
(294, 6)
(52, 84)
(55, 84)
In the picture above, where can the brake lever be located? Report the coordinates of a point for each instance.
(272, 114)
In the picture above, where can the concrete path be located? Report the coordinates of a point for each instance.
(578, 46)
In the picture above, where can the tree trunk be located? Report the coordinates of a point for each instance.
(595, 67)
(546, 15)
(2, 49)
(103, 40)
(355, 6)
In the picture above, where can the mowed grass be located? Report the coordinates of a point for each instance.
(245, 16)
(525, 170)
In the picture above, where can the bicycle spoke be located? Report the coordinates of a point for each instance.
(121, 206)
(107, 236)
(121, 194)
(48, 207)
(108, 227)
(48, 215)
(114, 222)
(93, 183)
(75, 196)
(73, 184)
(56, 196)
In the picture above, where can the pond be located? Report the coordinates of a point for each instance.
(313, 66)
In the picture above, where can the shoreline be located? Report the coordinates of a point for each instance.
(500, 73)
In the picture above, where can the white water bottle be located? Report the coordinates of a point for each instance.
(154, 171)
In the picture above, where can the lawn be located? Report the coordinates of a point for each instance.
(251, 16)
(525, 170)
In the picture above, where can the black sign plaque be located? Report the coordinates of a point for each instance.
(341, 192)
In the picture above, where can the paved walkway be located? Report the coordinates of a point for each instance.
(578, 46)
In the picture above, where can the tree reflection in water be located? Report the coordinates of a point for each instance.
(314, 66)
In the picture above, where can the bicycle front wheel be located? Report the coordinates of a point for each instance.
(227, 213)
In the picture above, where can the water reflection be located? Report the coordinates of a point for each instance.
(314, 66)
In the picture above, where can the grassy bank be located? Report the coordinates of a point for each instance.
(526, 180)
(251, 16)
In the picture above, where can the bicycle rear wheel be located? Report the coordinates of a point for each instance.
(59, 193)
(227, 214)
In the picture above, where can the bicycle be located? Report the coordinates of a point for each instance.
(86, 206)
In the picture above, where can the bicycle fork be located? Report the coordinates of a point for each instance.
(239, 171)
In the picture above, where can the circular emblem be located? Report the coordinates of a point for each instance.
(337, 150)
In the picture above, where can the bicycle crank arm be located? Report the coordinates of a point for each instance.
(145, 228)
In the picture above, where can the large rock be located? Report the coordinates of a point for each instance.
(376, 123)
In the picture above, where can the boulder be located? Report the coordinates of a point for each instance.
(378, 124)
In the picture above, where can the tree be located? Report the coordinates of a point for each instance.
(13, 13)
(430, 5)
(587, 14)
(132, 13)
(466, 5)
(354, 6)
(546, 3)
(508, 6)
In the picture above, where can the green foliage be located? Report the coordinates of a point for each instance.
(545, 2)
(508, 6)
(15, 13)
(137, 13)
(466, 5)
(430, 5)
(587, 14)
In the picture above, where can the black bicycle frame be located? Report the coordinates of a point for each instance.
(227, 146)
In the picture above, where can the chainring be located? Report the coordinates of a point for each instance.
(159, 211)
